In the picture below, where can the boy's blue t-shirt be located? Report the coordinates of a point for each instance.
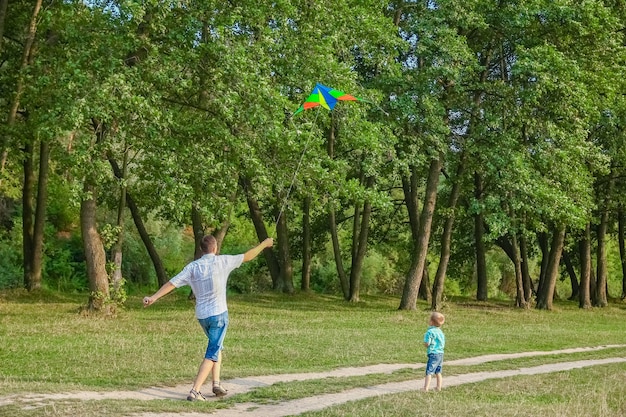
(435, 339)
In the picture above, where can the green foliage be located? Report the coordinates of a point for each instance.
(176, 248)
(118, 294)
(324, 279)
(62, 213)
(108, 235)
(11, 266)
(380, 275)
(137, 267)
(111, 303)
(64, 267)
(250, 278)
(531, 95)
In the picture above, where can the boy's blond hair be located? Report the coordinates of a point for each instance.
(437, 318)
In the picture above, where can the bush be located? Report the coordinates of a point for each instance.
(380, 275)
(324, 277)
(64, 264)
(11, 269)
(251, 277)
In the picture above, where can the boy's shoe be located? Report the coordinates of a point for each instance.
(196, 396)
(218, 390)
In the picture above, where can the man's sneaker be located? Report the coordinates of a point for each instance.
(218, 390)
(196, 395)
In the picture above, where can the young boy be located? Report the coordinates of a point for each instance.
(434, 341)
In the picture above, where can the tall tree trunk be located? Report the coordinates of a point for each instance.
(197, 227)
(526, 280)
(572, 275)
(584, 295)
(361, 247)
(159, 269)
(410, 188)
(286, 266)
(546, 295)
(511, 248)
(542, 240)
(305, 283)
(27, 57)
(418, 257)
(622, 248)
(3, 14)
(261, 232)
(40, 217)
(117, 252)
(332, 219)
(95, 257)
(592, 282)
(343, 278)
(220, 233)
(28, 213)
(520, 298)
(479, 222)
(479, 241)
(601, 298)
(356, 225)
(425, 292)
(446, 238)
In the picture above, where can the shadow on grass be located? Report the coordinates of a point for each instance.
(307, 301)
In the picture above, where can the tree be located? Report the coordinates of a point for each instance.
(425, 100)
(32, 228)
(446, 236)
(584, 300)
(545, 294)
(622, 249)
(414, 277)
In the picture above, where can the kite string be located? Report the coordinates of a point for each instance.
(295, 173)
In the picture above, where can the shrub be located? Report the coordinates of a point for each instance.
(324, 277)
(11, 269)
(64, 264)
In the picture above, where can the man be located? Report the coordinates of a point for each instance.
(207, 277)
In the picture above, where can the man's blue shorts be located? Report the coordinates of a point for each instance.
(215, 329)
(434, 364)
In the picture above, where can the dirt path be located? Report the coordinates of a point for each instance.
(294, 407)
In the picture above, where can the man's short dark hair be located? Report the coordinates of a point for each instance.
(208, 244)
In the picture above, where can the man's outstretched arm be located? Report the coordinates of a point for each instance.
(165, 289)
(255, 251)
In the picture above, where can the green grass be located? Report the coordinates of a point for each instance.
(46, 346)
(596, 391)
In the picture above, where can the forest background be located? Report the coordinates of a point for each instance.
(486, 160)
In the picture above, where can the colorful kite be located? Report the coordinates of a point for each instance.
(325, 97)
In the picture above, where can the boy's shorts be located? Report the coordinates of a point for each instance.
(434, 364)
(215, 329)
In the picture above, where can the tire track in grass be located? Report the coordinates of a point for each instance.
(319, 402)
(294, 407)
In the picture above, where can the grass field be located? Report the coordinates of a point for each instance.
(46, 346)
